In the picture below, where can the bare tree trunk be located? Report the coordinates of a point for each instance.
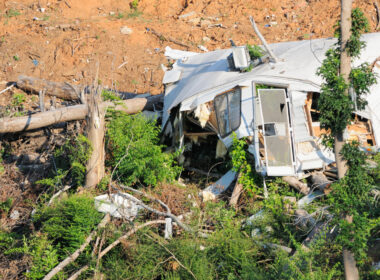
(345, 70)
(95, 134)
(350, 270)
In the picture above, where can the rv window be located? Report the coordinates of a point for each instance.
(227, 108)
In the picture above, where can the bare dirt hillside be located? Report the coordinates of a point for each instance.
(62, 39)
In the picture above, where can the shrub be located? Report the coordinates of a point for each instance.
(134, 152)
(44, 256)
(68, 222)
(70, 160)
(240, 162)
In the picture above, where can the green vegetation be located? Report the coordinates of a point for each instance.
(110, 96)
(68, 222)
(248, 177)
(337, 108)
(350, 195)
(18, 100)
(70, 161)
(255, 51)
(6, 205)
(12, 13)
(134, 152)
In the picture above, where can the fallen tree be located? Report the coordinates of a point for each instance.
(73, 113)
(61, 90)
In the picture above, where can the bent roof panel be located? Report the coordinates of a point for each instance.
(299, 61)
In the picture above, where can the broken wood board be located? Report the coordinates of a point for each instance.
(216, 189)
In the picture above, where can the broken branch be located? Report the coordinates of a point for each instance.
(169, 215)
(129, 233)
(262, 39)
(165, 38)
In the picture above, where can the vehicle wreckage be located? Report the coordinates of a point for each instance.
(274, 105)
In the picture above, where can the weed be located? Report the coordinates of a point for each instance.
(16, 58)
(120, 15)
(70, 160)
(68, 222)
(18, 100)
(6, 205)
(134, 4)
(110, 96)
(134, 14)
(248, 177)
(12, 13)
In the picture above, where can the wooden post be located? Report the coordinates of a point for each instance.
(95, 134)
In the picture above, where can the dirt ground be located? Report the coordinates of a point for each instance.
(62, 40)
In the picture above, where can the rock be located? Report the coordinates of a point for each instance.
(112, 13)
(205, 23)
(195, 21)
(188, 15)
(203, 48)
(15, 215)
(206, 39)
(126, 30)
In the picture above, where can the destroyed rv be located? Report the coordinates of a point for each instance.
(274, 105)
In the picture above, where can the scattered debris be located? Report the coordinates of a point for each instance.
(15, 215)
(117, 205)
(126, 30)
(216, 189)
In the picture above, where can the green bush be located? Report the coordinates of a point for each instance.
(240, 162)
(44, 256)
(6, 205)
(228, 253)
(70, 160)
(68, 222)
(134, 152)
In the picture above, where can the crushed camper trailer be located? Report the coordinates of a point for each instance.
(274, 105)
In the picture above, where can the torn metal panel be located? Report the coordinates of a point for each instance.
(284, 126)
(216, 189)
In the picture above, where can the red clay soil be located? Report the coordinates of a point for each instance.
(62, 40)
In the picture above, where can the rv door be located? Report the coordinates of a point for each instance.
(275, 129)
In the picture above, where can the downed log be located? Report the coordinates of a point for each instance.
(298, 185)
(38, 120)
(69, 91)
(72, 113)
(60, 89)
